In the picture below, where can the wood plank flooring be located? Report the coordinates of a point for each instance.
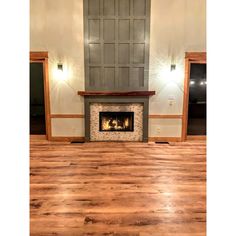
(118, 189)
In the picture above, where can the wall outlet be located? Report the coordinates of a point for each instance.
(171, 97)
(171, 100)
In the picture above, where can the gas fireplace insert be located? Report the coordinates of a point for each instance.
(116, 121)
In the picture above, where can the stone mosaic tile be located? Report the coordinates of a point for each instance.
(96, 135)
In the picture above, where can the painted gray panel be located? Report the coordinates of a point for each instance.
(139, 53)
(93, 7)
(94, 30)
(109, 77)
(124, 30)
(95, 76)
(139, 30)
(139, 7)
(123, 53)
(138, 76)
(115, 33)
(109, 53)
(95, 53)
(109, 7)
(109, 30)
(123, 77)
(124, 7)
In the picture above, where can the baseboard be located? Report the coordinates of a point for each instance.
(196, 137)
(150, 139)
(67, 139)
(38, 137)
(164, 139)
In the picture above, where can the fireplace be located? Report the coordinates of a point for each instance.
(116, 121)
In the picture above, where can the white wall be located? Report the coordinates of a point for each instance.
(56, 26)
(177, 26)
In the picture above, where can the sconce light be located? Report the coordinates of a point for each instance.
(60, 72)
(60, 67)
(192, 82)
(202, 83)
(172, 67)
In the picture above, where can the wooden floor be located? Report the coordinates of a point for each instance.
(118, 189)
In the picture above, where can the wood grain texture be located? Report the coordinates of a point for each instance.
(119, 189)
(116, 93)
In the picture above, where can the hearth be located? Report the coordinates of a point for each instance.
(116, 121)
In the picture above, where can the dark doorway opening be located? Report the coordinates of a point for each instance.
(37, 103)
(197, 100)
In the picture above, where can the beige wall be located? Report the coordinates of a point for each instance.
(56, 26)
(177, 26)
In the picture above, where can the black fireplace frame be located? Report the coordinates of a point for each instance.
(130, 113)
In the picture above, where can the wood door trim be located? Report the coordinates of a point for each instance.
(190, 57)
(43, 57)
(38, 55)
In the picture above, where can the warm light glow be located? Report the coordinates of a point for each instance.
(202, 83)
(108, 124)
(60, 72)
(192, 82)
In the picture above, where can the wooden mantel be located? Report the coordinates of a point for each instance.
(116, 93)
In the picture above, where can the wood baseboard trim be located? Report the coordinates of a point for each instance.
(67, 139)
(196, 137)
(67, 116)
(164, 139)
(38, 137)
(165, 116)
(82, 139)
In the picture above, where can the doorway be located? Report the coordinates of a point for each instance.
(39, 95)
(197, 100)
(194, 104)
(37, 106)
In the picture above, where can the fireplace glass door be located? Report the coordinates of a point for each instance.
(116, 121)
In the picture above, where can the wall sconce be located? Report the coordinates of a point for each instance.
(192, 82)
(172, 67)
(59, 72)
(60, 67)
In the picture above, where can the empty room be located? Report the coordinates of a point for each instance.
(118, 117)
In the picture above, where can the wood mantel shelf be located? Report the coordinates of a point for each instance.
(116, 93)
